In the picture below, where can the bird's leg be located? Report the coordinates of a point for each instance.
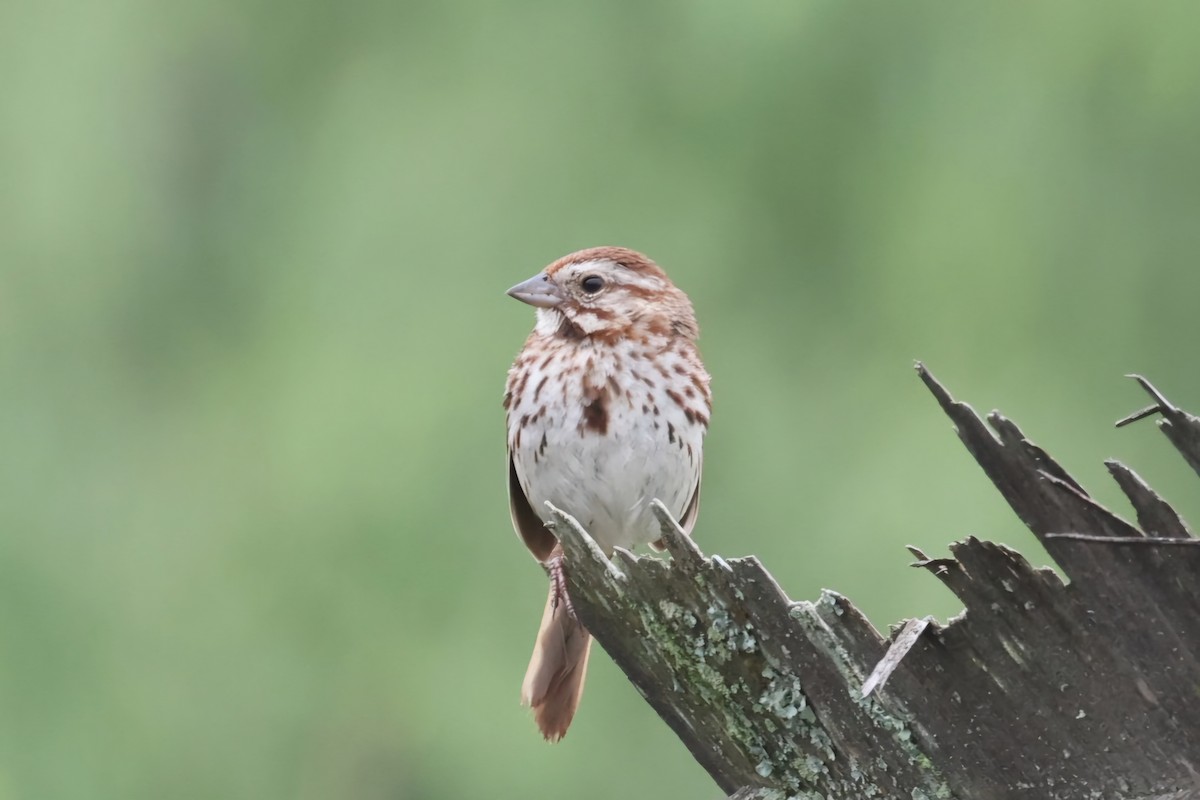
(558, 582)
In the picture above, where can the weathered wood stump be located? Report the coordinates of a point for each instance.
(1039, 689)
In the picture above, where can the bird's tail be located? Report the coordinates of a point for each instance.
(554, 681)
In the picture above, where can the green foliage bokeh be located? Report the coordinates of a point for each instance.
(254, 538)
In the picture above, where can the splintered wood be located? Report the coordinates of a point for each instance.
(1089, 689)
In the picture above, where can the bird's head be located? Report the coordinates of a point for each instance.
(607, 293)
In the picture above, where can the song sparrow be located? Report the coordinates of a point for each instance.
(607, 406)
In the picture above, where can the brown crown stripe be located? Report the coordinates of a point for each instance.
(629, 259)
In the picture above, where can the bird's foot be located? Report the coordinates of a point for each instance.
(558, 582)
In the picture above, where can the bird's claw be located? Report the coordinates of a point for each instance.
(558, 583)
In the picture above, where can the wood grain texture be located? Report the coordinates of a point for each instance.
(1040, 689)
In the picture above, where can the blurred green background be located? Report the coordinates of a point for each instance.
(254, 537)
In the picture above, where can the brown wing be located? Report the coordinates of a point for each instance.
(688, 520)
(529, 526)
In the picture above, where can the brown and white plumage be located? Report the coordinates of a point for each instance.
(607, 406)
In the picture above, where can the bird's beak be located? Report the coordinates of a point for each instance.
(538, 291)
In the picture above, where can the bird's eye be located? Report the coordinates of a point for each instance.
(592, 284)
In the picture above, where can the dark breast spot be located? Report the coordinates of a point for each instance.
(595, 414)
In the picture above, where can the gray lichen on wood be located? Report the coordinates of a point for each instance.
(1040, 689)
(753, 683)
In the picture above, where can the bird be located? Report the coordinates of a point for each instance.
(607, 406)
